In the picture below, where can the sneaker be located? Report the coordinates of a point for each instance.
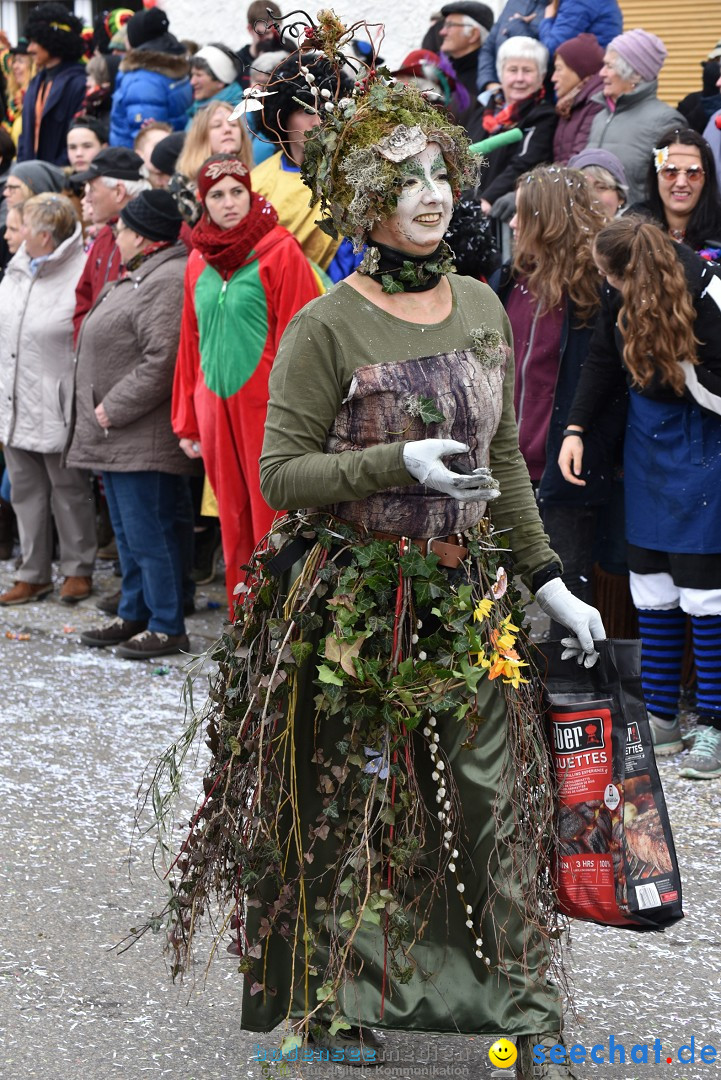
(23, 592)
(74, 589)
(666, 740)
(114, 633)
(704, 761)
(370, 1049)
(529, 1069)
(150, 643)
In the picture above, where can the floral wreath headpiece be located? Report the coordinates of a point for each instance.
(352, 156)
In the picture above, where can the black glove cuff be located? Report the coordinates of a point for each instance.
(544, 575)
(570, 431)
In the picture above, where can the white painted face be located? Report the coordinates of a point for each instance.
(425, 205)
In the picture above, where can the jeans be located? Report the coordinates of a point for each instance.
(143, 510)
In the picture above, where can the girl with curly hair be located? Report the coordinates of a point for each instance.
(550, 290)
(659, 333)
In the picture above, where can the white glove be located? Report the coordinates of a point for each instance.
(581, 619)
(423, 461)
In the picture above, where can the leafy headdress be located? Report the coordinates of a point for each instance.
(368, 126)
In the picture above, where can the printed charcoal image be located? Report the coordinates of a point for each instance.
(584, 828)
(646, 847)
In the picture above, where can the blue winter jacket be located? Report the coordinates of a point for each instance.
(510, 23)
(574, 17)
(150, 86)
(64, 100)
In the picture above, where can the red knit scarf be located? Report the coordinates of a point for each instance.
(226, 250)
(508, 116)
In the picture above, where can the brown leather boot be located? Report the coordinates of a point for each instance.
(75, 588)
(23, 592)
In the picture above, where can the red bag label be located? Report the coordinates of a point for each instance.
(589, 865)
(582, 752)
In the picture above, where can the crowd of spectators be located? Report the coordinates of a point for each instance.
(157, 239)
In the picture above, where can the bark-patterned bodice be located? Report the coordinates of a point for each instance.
(382, 406)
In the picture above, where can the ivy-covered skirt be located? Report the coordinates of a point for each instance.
(379, 805)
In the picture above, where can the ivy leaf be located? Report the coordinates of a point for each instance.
(338, 1025)
(405, 668)
(370, 916)
(344, 652)
(325, 675)
(428, 411)
(413, 564)
(390, 285)
(325, 992)
(347, 920)
(326, 225)
(301, 650)
(290, 1042)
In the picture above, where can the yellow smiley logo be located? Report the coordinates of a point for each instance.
(503, 1054)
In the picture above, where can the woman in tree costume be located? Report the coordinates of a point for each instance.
(378, 803)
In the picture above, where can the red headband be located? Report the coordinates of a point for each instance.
(219, 166)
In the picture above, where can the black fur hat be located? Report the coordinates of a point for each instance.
(56, 30)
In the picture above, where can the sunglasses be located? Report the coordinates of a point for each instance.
(694, 173)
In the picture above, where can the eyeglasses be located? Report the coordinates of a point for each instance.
(447, 24)
(694, 173)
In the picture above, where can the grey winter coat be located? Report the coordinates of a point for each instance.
(126, 355)
(36, 347)
(631, 131)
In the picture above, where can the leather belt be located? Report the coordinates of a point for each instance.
(450, 553)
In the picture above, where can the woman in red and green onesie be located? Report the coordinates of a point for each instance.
(246, 278)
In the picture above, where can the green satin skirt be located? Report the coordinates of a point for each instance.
(451, 990)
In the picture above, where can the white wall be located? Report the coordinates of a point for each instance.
(406, 21)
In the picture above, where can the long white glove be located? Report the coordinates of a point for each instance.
(423, 461)
(581, 619)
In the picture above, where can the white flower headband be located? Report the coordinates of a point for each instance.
(660, 157)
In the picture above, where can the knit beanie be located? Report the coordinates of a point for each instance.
(582, 54)
(221, 65)
(604, 159)
(165, 153)
(145, 26)
(643, 51)
(154, 215)
(218, 166)
(40, 176)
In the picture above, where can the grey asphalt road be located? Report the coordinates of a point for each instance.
(77, 729)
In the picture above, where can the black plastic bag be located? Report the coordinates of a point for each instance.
(615, 862)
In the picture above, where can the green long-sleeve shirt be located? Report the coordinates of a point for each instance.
(321, 349)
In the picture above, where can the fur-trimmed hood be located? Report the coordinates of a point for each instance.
(173, 67)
